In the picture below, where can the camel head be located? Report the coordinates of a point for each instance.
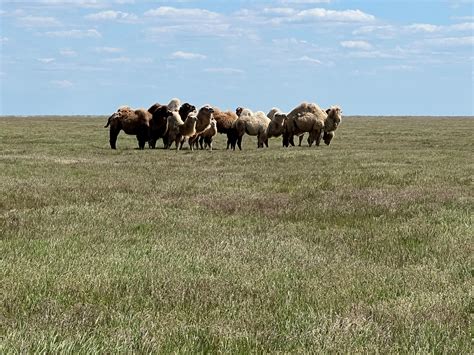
(207, 109)
(174, 104)
(279, 118)
(193, 117)
(327, 137)
(164, 111)
(187, 108)
(117, 115)
(272, 112)
(333, 119)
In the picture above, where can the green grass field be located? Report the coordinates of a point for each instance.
(362, 246)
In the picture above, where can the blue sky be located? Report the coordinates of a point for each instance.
(370, 57)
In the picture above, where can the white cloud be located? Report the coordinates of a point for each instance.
(214, 29)
(80, 3)
(451, 41)
(84, 3)
(75, 34)
(458, 3)
(193, 22)
(423, 27)
(244, 13)
(363, 45)
(382, 31)
(62, 84)
(38, 21)
(111, 15)
(118, 60)
(429, 28)
(399, 67)
(463, 18)
(108, 50)
(305, 1)
(128, 60)
(144, 60)
(256, 16)
(67, 53)
(282, 15)
(224, 70)
(4, 39)
(86, 68)
(358, 72)
(466, 26)
(184, 15)
(187, 55)
(287, 42)
(45, 60)
(156, 31)
(333, 15)
(307, 59)
(282, 11)
(376, 54)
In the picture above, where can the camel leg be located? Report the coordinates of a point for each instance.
(292, 140)
(191, 141)
(312, 137)
(265, 142)
(141, 141)
(142, 137)
(231, 140)
(179, 143)
(113, 137)
(152, 143)
(318, 137)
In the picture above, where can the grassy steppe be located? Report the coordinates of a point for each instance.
(362, 246)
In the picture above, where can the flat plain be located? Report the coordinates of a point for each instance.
(361, 246)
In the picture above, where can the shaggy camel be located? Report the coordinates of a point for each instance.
(309, 117)
(224, 121)
(133, 122)
(254, 124)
